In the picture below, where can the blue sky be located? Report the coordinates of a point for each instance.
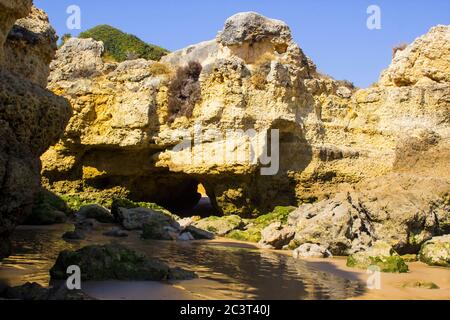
(332, 33)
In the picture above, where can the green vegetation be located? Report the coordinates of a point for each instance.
(279, 214)
(122, 46)
(75, 202)
(410, 258)
(113, 262)
(252, 233)
(391, 264)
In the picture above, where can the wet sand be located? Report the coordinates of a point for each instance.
(392, 284)
(228, 270)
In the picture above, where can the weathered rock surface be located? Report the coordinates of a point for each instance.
(47, 209)
(96, 212)
(425, 61)
(31, 118)
(135, 219)
(31, 46)
(276, 236)
(309, 250)
(35, 292)
(373, 162)
(113, 262)
(220, 226)
(380, 255)
(436, 252)
(116, 233)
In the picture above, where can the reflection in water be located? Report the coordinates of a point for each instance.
(226, 270)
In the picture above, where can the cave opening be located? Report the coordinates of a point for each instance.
(204, 208)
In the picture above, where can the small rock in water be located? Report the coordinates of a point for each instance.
(34, 291)
(181, 274)
(220, 226)
(74, 235)
(186, 236)
(309, 250)
(114, 262)
(87, 225)
(200, 234)
(116, 232)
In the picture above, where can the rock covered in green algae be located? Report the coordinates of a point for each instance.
(253, 228)
(220, 225)
(114, 262)
(436, 252)
(47, 209)
(35, 292)
(157, 228)
(381, 255)
(200, 234)
(420, 285)
(97, 212)
(128, 204)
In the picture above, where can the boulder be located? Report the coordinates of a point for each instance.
(436, 252)
(87, 225)
(252, 27)
(96, 212)
(380, 255)
(157, 229)
(186, 236)
(309, 250)
(276, 236)
(116, 233)
(35, 292)
(78, 234)
(404, 209)
(47, 209)
(113, 262)
(135, 219)
(200, 234)
(220, 225)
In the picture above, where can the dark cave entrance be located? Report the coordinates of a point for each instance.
(204, 207)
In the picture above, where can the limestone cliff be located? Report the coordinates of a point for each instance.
(253, 77)
(31, 117)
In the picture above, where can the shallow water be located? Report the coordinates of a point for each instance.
(226, 270)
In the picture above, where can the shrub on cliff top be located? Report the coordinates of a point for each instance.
(184, 91)
(122, 46)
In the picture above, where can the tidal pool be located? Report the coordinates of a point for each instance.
(226, 270)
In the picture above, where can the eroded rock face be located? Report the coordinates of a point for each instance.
(425, 61)
(31, 46)
(120, 138)
(255, 77)
(436, 252)
(31, 117)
